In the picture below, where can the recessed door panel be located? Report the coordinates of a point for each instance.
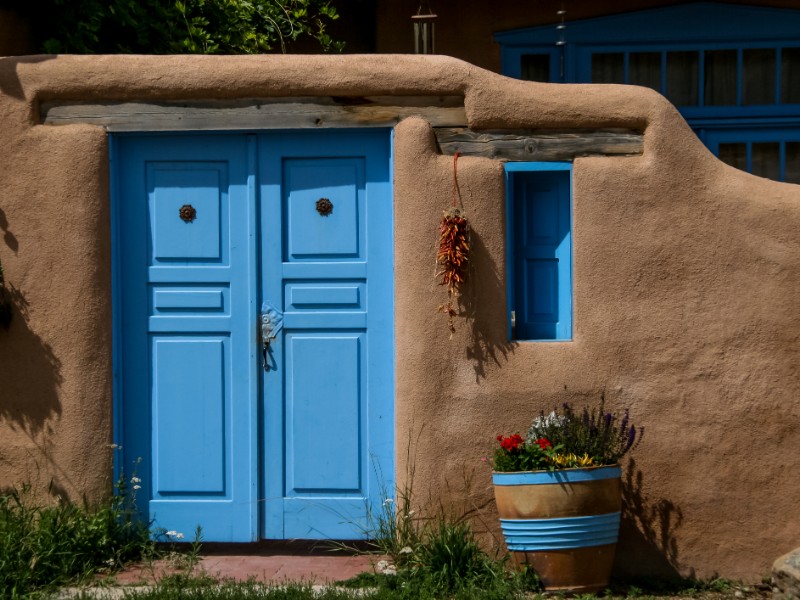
(324, 458)
(316, 229)
(202, 188)
(189, 422)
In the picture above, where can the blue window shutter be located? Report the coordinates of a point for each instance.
(540, 260)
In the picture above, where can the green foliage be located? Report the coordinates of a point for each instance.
(46, 546)
(567, 440)
(605, 437)
(450, 559)
(434, 557)
(516, 454)
(179, 26)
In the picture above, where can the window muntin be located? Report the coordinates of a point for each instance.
(731, 76)
(773, 152)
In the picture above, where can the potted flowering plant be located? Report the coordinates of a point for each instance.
(558, 493)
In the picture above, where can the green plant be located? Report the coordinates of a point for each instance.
(178, 26)
(42, 546)
(567, 440)
(450, 558)
(435, 555)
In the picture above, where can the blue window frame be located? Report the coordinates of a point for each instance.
(732, 71)
(539, 208)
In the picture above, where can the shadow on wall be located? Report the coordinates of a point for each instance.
(8, 237)
(648, 532)
(10, 84)
(30, 373)
(483, 308)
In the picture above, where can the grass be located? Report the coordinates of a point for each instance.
(44, 547)
(436, 558)
(370, 586)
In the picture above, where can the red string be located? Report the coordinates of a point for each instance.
(455, 179)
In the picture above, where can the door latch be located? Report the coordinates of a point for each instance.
(270, 323)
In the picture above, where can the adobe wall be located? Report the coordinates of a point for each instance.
(686, 294)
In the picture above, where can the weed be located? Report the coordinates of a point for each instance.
(45, 546)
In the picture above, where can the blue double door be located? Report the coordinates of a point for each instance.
(254, 324)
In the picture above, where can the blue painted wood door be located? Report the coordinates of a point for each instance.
(542, 254)
(211, 230)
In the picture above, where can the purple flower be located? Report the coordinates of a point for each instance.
(631, 438)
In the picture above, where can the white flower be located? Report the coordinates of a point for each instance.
(382, 564)
(137, 487)
(406, 550)
(175, 534)
(135, 479)
(388, 501)
(390, 570)
(541, 423)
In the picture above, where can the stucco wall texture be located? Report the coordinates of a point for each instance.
(686, 297)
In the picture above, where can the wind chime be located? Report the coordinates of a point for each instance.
(424, 28)
(453, 252)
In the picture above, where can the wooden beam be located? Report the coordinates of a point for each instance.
(310, 112)
(532, 145)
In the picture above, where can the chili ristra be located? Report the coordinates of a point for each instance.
(453, 252)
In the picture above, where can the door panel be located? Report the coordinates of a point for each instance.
(305, 444)
(328, 404)
(336, 235)
(324, 459)
(187, 307)
(193, 462)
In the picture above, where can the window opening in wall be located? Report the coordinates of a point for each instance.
(539, 210)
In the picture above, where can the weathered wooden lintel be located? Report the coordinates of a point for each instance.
(263, 113)
(539, 145)
(445, 113)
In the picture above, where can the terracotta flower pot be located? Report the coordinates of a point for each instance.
(563, 523)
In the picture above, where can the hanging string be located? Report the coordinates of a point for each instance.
(455, 179)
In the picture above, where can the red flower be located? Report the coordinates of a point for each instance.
(544, 443)
(512, 443)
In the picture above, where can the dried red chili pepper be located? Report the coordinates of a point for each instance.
(453, 252)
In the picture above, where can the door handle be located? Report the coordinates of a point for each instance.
(270, 323)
